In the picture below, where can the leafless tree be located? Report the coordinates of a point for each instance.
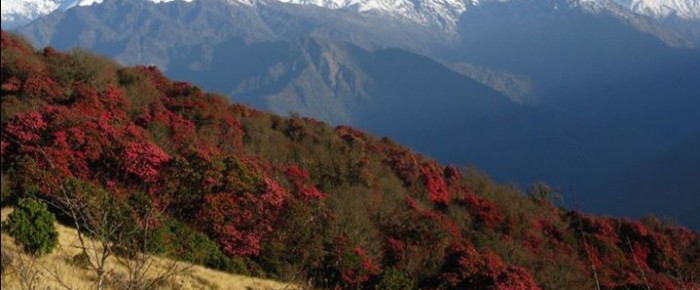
(106, 231)
(143, 271)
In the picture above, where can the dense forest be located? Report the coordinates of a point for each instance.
(298, 200)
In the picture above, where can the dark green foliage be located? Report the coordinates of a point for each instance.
(301, 247)
(137, 88)
(231, 265)
(541, 192)
(393, 279)
(32, 226)
(5, 192)
(102, 215)
(178, 240)
(81, 259)
(93, 69)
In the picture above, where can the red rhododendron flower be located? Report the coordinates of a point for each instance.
(144, 160)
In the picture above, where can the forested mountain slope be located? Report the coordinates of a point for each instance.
(584, 89)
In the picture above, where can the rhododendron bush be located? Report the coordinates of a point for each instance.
(293, 198)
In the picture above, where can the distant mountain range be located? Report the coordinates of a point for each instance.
(575, 93)
(443, 14)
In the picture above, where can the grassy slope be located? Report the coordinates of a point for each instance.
(59, 263)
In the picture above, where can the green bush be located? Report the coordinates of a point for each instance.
(393, 279)
(236, 265)
(177, 240)
(81, 259)
(32, 226)
(5, 191)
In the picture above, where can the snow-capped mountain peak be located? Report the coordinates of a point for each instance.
(67, 4)
(19, 12)
(437, 13)
(685, 9)
(441, 13)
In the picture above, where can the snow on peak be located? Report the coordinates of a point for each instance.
(684, 9)
(437, 13)
(19, 12)
(67, 4)
(441, 13)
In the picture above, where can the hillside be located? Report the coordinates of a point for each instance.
(295, 199)
(584, 89)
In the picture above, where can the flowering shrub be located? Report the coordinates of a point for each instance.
(435, 184)
(349, 134)
(41, 87)
(302, 182)
(466, 268)
(3, 147)
(485, 212)
(11, 85)
(144, 160)
(26, 127)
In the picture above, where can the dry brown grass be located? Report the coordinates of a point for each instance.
(56, 270)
